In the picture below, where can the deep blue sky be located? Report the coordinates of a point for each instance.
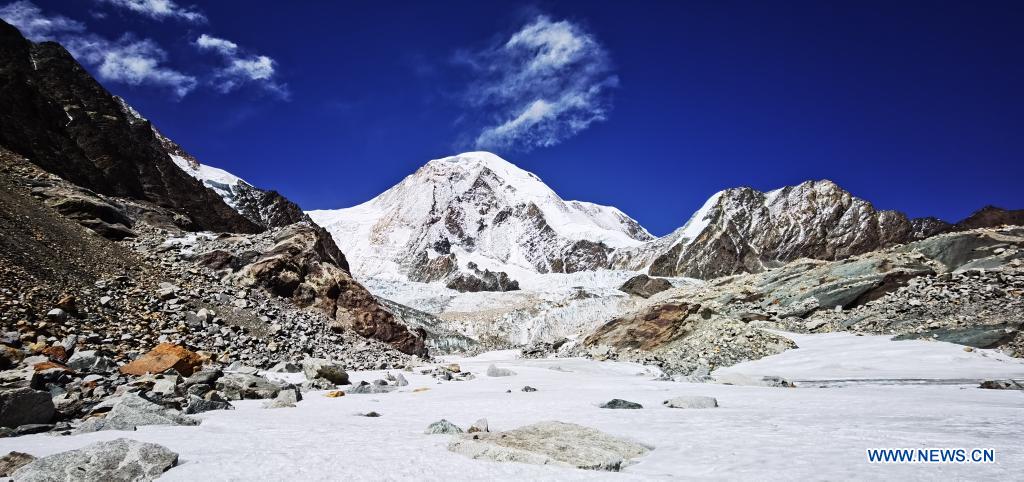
(916, 106)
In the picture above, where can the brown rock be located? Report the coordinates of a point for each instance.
(163, 357)
(56, 353)
(647, 329)
(14, 461)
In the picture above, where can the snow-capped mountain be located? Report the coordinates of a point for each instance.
(265, 208)
(475, 213)
(744, 230)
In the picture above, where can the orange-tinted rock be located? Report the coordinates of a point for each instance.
(56, 353)
(335, 394)
(164, 357)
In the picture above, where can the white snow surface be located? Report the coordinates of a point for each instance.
(476, 201)
(757, 433)
(220, 181)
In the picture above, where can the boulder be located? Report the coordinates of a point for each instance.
(164, 357)
(284, 399)
(326, 369)
(89, 361)
(442, 427)
(493, 371)
(130, 411)
(14, 461)
(555, 443)
(368, 388)
(197, 404)
(479, 426)
(23, 406)
(618, 403)
(239, 386)
(114, 460)
(645, 286)
(691, 401)
(1002, 385)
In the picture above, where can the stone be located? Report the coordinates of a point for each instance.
(554, 443)
(529, 389)
(163, 357)
(130, 411)
(369, 388)
(334, 394)
(454, 368)
(478, 426)
(400, 380)
(14, 461)
(645, 286)
(56, 315)
(371, 414)
(493, 371)
(22, 406)
(198, 404)
(88, 361)
(239, 386)
(286, 367)
(618, 403)
(1002, 385)
(691, 401)
(203, 377)
(114, 460)
(442, 427)
(326, 369)
(284, 399)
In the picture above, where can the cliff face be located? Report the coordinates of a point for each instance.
(56, 115)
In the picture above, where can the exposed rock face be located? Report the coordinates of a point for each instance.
(743, 230)
(265, 208)
(644, 286)
(120, 460)
(306, 266)
(555, 443)
(14, 461)
(965, 287)
(59, 117)
(130, 411)
(486, 280)
(992, 217)
(24, 406)
(481, 204)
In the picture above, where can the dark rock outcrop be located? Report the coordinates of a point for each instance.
(56, 115)
(306, 266)
(644, 286)
(485, 280)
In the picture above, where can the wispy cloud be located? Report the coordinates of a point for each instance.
(127, 60)
(546, 83)
(240, 68)
(159, 9)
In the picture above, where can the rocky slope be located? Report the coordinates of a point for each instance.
(56, 115)
(961, 287)
(476, 208)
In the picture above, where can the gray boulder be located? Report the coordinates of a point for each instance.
(618, 403)
(130, 411)
(691, 401)
(197, 404)
(284, 399)
(556, 443)
(645, 286)
(23, 406)
(239, 386)
(369, 388)
(493, 371)
(89, 362)
(442, 427)
(114, 461)
(326, 369)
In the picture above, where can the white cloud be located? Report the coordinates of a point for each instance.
(33, 24)
(240, 69)
(127, 60)
(159, 9)
(546, 83)
(225, 47)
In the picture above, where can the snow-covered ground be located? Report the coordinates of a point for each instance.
(756, 433)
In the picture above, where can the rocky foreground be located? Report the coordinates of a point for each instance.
(498, 417)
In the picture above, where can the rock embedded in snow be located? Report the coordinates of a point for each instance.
(479, 426)
(1007, 384)
(14, 461)
(326, 369)
(555, 443)
(130, 411)
(645, 286)
(692, 401)
(493, 371)
(618, 403)
(442, 427)
(529, 389)
(284, 399)
(113, 460)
